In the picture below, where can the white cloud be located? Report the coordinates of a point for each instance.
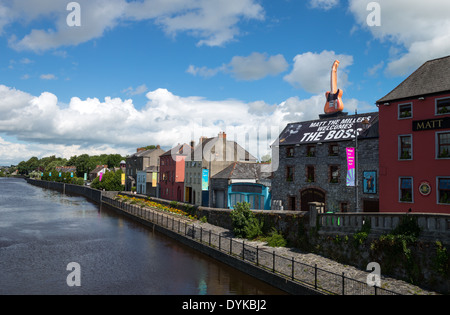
(312, 71)
(46, 127)
(214, 22)
(253, 67)
(48, 76)
(203, 71)
(141, 89)
(323, 4)
(420, 30)
(257, 66)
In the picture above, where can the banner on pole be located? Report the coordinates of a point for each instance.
(350, 166)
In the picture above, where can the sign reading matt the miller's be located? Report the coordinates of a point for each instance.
(431, 124)
(325, 130)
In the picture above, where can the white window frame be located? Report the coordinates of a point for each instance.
(398, 111)
(435, 105)
(399, 149)
(437, 145)
(400, 189)
(437, 190)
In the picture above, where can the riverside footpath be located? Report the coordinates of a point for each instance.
(289, 269)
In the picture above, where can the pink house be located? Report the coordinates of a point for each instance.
(171, 172)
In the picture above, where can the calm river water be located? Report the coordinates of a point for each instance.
(42, 231)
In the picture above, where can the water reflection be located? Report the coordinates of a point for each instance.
(42, 231)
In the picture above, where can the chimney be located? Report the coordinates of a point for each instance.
(158, 146)
(222, 135)
(192, 143)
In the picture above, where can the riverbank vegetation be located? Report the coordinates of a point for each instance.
(246, 225)
(155, 205)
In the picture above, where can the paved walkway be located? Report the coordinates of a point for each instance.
(303, 262)
(310, 259)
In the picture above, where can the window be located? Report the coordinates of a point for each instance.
(404, 111)
(334, 174)
(443, 190)
(311, 151)
(443, 106)
(289, 151)
(344, 206)
(310, 174)
(405, 147)
(443, 145)
(333, 149)
(406, 192)
(289, 173)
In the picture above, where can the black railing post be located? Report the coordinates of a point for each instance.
(273, 260)
(243, 250)
(292, 267)
(231, 246)
(210, 238)
(315, 276)
(257, 255)
(343, 284)
(220, 240)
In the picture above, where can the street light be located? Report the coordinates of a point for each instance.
(365, 123)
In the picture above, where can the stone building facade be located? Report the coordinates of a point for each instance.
(313, 165)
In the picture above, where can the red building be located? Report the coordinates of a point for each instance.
(171, 172)
(414, 143)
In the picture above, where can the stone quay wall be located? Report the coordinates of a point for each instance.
(338, 236)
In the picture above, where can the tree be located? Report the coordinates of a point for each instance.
(111, 181)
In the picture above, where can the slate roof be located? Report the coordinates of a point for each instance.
(180, 149)
(432, 77)
(142, 153)
(228, 145)
(243, 170)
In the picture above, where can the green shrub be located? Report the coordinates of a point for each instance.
(276, 239)
(245, 223)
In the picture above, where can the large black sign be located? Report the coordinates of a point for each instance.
(324, 130)
(431, 124)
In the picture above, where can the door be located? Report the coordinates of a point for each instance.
(311, 195)
(220, 199)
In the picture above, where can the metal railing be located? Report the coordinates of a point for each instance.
(325, 281)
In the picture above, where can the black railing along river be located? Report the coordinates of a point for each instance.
(43, 231)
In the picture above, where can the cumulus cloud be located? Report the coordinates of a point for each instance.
(253, 67)
(48, 76)
(323, 4)
(257, 66)
(312, 71)
(141, 89)
(214, 22)
(417, 30)
(43, 126)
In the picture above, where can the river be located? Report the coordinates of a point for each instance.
(43, 231)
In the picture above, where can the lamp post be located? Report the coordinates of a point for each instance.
(356, 164)
(365, 123)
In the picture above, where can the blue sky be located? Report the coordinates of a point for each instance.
(168, 71)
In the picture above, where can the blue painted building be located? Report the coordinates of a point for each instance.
(242, 182)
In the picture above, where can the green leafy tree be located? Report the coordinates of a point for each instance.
(245, 223)
(111, 181)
